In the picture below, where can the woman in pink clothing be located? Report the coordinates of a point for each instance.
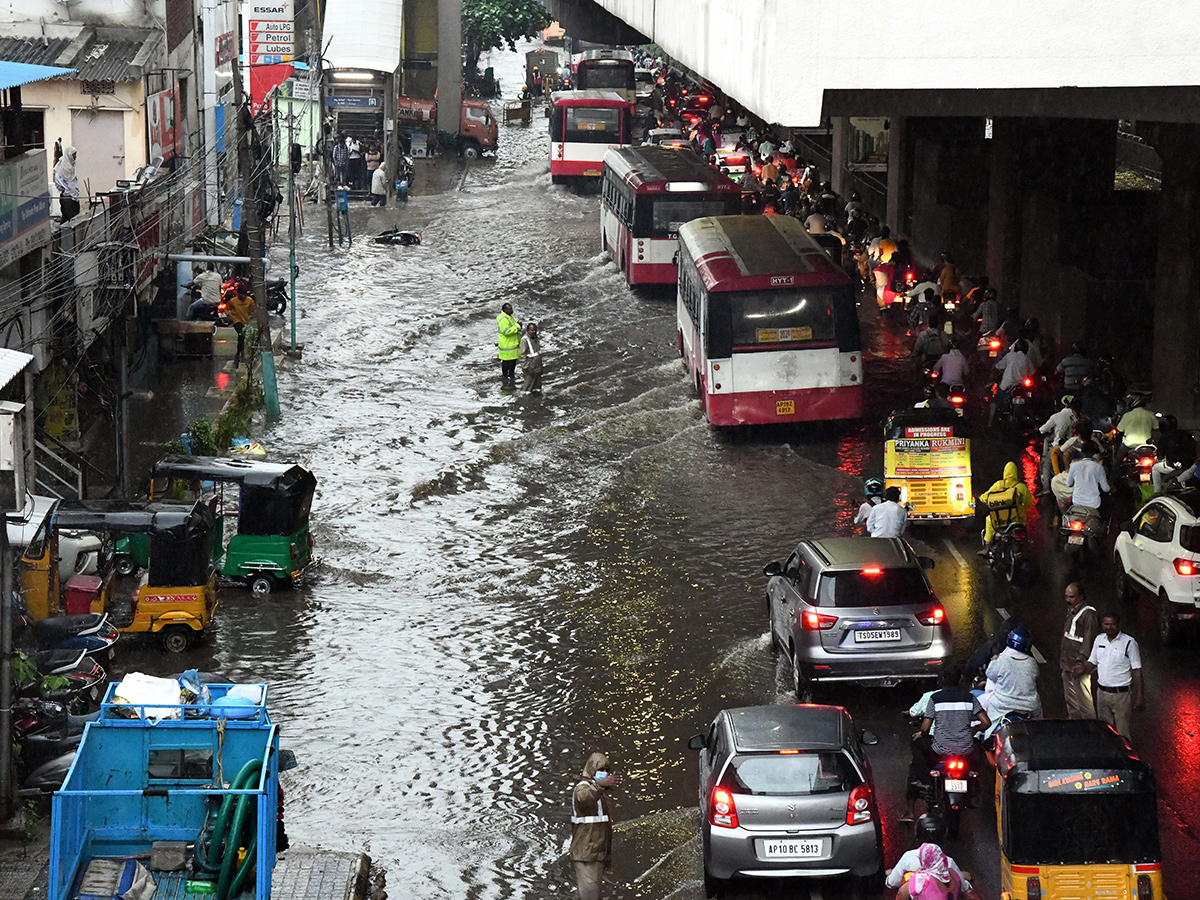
(935, 880)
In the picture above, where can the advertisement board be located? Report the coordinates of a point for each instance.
(24, 206)
(271, 31)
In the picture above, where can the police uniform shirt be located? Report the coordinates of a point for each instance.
(1115, 659)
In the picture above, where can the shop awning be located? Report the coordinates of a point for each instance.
(12, 362)
(14, 74)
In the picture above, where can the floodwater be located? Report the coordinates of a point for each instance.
(510, 582)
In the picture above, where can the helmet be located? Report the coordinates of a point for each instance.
(930, 829)
(874, 487)
(1168, 423)
(990, 294)
(1020, 639)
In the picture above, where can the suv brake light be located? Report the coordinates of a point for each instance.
(723, 812)
(1185, 567)
(861, 807)
(814, 621)
(935, 616)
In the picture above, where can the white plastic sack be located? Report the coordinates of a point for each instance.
(138, 688)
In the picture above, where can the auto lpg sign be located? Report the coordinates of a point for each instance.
(272, 32)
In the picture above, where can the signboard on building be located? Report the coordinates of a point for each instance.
(226, 47)
(24, 206)
(160, 115)
(344, 102)
(272, 31)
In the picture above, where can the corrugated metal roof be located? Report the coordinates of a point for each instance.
(96, 53)
(12, 363)
(15, 74)
(113, 60)
(363, 35)
(32, 51)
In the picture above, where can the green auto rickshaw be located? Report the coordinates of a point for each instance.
(271, 545)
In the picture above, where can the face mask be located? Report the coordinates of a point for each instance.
(600, 776)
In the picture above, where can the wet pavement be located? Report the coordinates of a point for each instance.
(511, 581)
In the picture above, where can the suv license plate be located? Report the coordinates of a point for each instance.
(877, 635)
(956, 785)
(791, 849)
(1075, 540)
(785, 407)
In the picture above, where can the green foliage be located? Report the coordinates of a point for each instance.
(235, 421)
(30, 831)
(499, 24)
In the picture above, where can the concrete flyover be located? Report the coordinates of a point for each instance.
(1050, 145)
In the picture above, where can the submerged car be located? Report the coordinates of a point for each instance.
(787, 791)
(856, 609)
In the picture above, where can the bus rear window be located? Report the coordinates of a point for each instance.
(782, 317)
(593, 124)
(883, 587)
(666, 215)
(599, 76)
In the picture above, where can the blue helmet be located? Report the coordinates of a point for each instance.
(1020, 640)
(874, 487)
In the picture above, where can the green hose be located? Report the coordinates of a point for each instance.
(234, 809)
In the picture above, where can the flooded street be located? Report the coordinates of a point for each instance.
(509, 582)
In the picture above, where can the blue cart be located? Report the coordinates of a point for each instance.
(191, 791)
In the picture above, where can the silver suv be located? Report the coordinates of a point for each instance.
(856, 609)
(787, 791)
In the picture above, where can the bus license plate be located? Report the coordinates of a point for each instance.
(785, 407)
(791, 849)
(956, 785)
(1075, 540)
(876, 635)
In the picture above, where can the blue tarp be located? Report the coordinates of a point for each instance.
(14, 74)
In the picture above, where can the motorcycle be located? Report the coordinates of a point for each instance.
(953, 786)
(1005, 554)
(397, 238)
(45, 730)
(83, 675)
(1136, 466)
(46, 778)
(990, 346)
(1082, 530)
(90, 632)
(1022, 407)
(958, 396)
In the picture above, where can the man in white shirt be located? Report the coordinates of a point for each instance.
(209, 282)
(1014, 368)
(1056, 429)
(1117, 662)
(889, 518)
(1087, 479)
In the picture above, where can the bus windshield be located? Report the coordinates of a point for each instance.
(1071, 830)
(668, 213)
(601, 76)
(800, 315)
(593, 125)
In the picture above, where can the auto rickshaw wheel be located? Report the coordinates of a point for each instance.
(261, 585)
(125, 564)
(176, 638)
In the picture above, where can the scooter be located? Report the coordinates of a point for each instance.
(45, 731)
(91, 633)
(990, 346)
(954, 784)
(84, 676)
(46, 778)
(1083, 530)
(394, 237)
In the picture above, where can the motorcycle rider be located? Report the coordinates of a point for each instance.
(1074, 368)
(889, 518)
(1056, 430)
(949, 715)
(208, 283)
(1097, 405)
(1014, 367)
(1176, 453)
(873, 487)
(987, 313)
(1006, 501)
(931, 343)
(1135, 427)
(1013, 675)
(1087, 478)
(952, 367)
(910, 861)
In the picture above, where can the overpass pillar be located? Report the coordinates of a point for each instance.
(1175, 368)
(838, 156)
(1004, 210)
(899, 175)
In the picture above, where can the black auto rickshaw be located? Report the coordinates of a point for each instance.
(272, 545)
(1077, 812)
(176, 596)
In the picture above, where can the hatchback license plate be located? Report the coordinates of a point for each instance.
(791, 849)
(956, 785)
(876, 635)
(1075, 540)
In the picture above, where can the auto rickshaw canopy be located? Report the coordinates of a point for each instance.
(1074, 793)
(275, 497)
(180, 533)
(907, 423)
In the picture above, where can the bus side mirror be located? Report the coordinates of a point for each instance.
(870, 738)
(772, 569)
(925, 561)
(696, 742)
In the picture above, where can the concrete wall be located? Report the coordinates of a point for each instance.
(86, 12)
(449, 74)
(749, 47)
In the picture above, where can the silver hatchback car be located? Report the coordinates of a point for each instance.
(856, 609)
(787, 791)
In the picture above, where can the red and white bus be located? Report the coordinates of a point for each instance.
(648, 192)
(768, 327)
(584, 125)
(607, 70)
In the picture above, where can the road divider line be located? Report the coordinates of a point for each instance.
(958, 557)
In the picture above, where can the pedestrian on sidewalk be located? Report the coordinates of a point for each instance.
(508, 342)
(341, 158)
(379, 186)
(66, 179)
(1079, 633)
(1117, 662)
(591, 825)
(530, 354)
(239, 308)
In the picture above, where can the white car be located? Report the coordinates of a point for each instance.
(1158, 551)
(78, 552)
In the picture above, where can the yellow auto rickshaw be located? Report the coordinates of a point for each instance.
(1077, 813)
(174, 599)
(927, 455)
